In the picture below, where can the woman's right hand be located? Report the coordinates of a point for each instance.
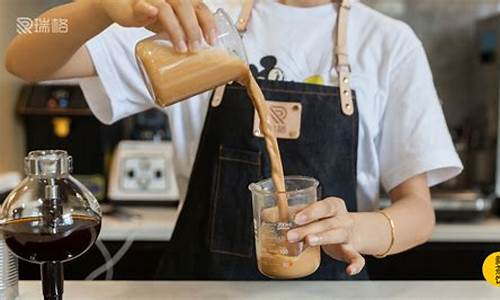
(185, 22)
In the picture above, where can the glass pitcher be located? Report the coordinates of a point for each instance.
(171, 76)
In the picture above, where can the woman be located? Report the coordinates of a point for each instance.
(392, 130)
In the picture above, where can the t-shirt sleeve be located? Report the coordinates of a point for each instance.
(415, 138)
(119, 90)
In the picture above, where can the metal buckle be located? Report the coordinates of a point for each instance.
(241, 26)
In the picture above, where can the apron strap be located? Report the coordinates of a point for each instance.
(244, 18)
(217, 95)
(341, 64)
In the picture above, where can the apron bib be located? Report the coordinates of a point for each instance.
(214, 237)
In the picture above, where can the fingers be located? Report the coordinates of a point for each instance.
(319, 210)
(316, 232)
(145, 12)
(355, 260)
(333, 236)
(183, 20)
(207, 22)
(187, 18)
(171, 24)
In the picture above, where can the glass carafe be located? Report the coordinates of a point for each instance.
(171, 76)
(50, 218)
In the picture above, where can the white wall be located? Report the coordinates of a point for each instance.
(11, 134)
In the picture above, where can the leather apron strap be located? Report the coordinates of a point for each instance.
(341, 61)
(244, 18)
(342, 64)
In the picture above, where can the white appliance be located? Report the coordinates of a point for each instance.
(143, 171)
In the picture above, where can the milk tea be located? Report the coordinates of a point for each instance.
(172, 77)
(275, 261)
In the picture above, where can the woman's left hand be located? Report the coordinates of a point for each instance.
(327, 223)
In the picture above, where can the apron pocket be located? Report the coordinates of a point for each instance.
(231, 203)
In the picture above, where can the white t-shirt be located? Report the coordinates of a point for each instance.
(402, 130)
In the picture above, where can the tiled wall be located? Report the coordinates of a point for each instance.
(447, 29)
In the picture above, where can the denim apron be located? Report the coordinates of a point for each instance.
(214, 236)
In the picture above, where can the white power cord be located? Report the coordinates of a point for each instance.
(111, 261)
(107, 258)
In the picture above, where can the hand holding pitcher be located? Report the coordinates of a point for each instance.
(185, 22)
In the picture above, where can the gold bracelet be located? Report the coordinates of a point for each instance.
(393, 235)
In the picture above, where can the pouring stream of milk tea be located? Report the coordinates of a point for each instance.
(170, 78)
(272, 146)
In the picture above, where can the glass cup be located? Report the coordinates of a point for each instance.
(171, 76)
(277, 258)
